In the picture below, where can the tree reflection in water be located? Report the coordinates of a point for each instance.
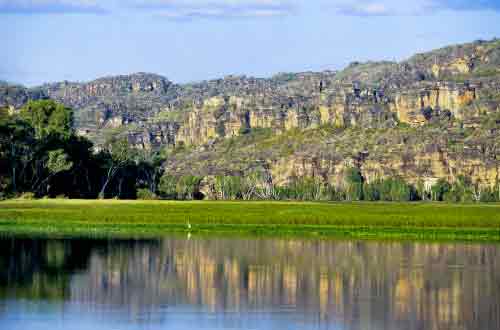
(356, 285)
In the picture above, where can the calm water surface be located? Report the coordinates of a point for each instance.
(222, 283)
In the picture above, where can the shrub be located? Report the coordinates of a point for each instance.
(391, 189)
(229, 187)
(459, 191)
(168, 187)
(354, 192)
(188, 186)
(489, 196)
(306, 189)
(146, 194)
(354, 184)
(439, 190)
(371, 192)
(400, 191)
(27, 196)
(244, 131)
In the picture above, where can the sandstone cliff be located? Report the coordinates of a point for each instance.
(435, 115)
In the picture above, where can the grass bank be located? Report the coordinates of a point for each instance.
(427, 221)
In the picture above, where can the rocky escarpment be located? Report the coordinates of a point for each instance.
(447, 102)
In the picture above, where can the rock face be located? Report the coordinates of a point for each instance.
(452, 92)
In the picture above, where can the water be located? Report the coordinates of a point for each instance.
(246, 283)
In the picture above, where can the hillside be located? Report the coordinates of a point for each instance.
(435, 115)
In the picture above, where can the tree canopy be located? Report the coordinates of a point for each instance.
(48, 117)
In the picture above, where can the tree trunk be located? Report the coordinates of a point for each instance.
(109, 177)
(103, 189)
(120, 188)
(14, 186)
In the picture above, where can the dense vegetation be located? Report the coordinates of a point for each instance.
(40, 155)
(152, 218)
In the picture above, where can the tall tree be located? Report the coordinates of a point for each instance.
(119, 155)
(354, 184)
(16, 150)
(149, 169)
(57, 162)
(48, 117)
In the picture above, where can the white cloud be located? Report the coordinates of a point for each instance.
(383, 7)
(408, 7)
(190, 9)
(50, 7)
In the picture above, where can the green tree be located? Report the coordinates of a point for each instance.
(400, 191)
(149, 169)
(460, 190)
(188, 186)
(229, 187)
(249, 185)
(390, 189)
(371, 191)
(489, 195)
(17, 151)
(421, 192)
(306, 189)
(119, 156)
(48, 117)
(354, 184)
(439, 190)
(168, 186)
(145, 194)
(57, 162)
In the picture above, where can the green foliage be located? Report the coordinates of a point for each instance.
(371, 191)
(50, 160)
(4, 115)
(120, 151)
(354, 192)
(306, 189)
(168, 186)
(17, 151)
(490, 195)
(149, 168)
(27, 196)
(229, 187)
(58, 161)
(354, 184)
(353, 176)
(48, 117)
(459, 191)
(439, 190)
(41, 154)
(395, 189)
(244, 130)
(146, 194)
(188, 186)
(118, 155)
(391, 189)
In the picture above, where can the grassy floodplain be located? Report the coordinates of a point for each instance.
(427, 221)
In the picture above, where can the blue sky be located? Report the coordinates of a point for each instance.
(191, 40)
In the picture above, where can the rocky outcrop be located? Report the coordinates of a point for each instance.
(456, 88)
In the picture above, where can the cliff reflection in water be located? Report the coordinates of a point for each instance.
(352, 284)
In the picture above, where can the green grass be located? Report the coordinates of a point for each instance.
(428, 221)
